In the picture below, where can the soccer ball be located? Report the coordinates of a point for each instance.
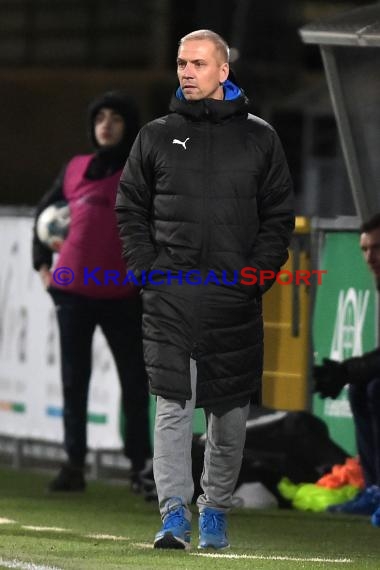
(53, 225)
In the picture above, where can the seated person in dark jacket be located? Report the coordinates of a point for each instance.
(363, 376)
(89, 183)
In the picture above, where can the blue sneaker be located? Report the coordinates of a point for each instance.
(175, 532)
(365, 503)
(375, 519)
(212, 529)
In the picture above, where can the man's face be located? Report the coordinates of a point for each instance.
(109, 127)
(201, 70)
(370, 246)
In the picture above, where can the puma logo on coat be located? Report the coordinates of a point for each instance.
(182, 143)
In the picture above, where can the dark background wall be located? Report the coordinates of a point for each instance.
(55, 55)
(44, 120)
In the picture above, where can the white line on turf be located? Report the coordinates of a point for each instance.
(106, 537)
(260, 557)
(25, 565)
(59, 529)
(44, 528)
(146, 545)
(255, 556)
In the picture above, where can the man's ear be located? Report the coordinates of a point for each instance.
(224, 71)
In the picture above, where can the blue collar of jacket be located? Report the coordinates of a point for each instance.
(231, 91)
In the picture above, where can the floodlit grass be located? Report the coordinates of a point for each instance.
(110, 528)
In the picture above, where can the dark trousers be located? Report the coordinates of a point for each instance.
(365, 406)
(120, 322)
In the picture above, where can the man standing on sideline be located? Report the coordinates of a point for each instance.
(206, 190)
(362, 373)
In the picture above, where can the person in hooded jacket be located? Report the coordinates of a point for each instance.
(205, 193)
(88, 183)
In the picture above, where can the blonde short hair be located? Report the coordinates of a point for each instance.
(219, 43)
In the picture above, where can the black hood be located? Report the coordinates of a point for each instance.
(120, 102)
(210, 109)
(109, 159)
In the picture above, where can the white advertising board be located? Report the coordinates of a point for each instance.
(30, 389)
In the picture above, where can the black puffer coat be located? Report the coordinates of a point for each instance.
(205, 188)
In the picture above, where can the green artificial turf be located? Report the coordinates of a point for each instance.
(257, 537)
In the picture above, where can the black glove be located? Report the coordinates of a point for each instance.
(329, 378)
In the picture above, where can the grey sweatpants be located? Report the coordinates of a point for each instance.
(225, 440)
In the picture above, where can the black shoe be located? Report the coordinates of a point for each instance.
(69, 479)
(142, 482)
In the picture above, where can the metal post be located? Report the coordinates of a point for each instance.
(96, 464)
(17, 454)
(347, 141)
